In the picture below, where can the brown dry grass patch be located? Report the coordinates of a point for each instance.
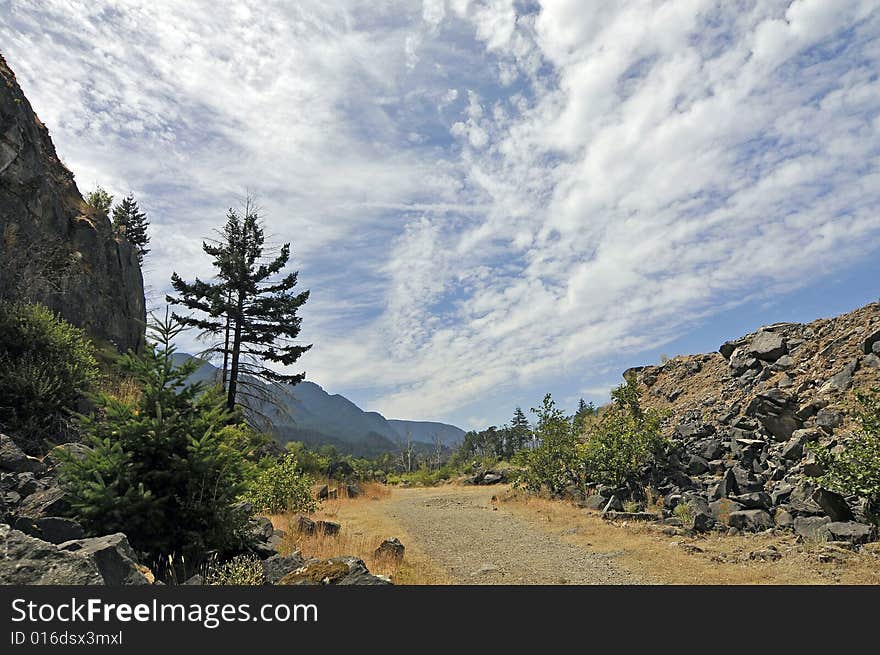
(705, 559)
(364, 525)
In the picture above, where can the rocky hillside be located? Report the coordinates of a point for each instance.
(743, 419)
(47, 235)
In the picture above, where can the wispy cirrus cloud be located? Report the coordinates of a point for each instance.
(483, 196)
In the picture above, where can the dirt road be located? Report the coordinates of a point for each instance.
(477, 542)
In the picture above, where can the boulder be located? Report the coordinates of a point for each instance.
(54, 529)
(809, 527)
(833, 504)
(697, 465)
(391, 548)
(750, 520)
(13, 458)
(61, 452)
(260, 528)
(323, 492)
(305, 525)
(767, 346)
(353, 491)
(842, 380)
(753, 500)
(740, 362)
(594, 502)
(333, 571)
(773, 410)
(114, 556)
(27, 560)
(783, 518)
(722, 508)
(277, 566)
(849, 531)
(328, 528)
(869, 345)
(828, 419)
(46, 502)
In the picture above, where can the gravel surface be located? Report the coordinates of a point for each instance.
(476, 543)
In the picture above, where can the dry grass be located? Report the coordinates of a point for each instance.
(656, 557)
(364, 526)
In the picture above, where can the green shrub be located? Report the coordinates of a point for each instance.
(554, 463)
(242, 570)
(164, 466)
(281, 487)
(46, 365)
(622, 440)
(855, 471)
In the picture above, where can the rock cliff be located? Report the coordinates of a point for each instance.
(53, 248)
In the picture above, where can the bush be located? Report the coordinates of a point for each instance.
(242, 570)
(164, 467)
(281, 487)
(855, 471)
(622, 440)
(554, 463)
(46, 365)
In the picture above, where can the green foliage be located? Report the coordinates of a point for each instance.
(164, 467)
(855, 471)
(623, 439)
(281, 487)
(99, 200)
(249, 311)
(684, 513)
(131, 223)
(554, 462)
(46, 365)
(241, 570)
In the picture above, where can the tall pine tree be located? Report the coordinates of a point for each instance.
(520, 432)
(253, 310)
(130, 222)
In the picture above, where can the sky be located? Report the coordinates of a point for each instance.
(488, 200)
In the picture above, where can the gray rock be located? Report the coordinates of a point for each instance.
(594, 502)
(277, 566)
(809, 527)
(305, 525)
(784, 363)
(492, 478)
(767, 346)
(753, 500)
(114, 556)
(13, 458)
(73, 450)
(871, 361)
(740, 362)
(869, 345)
(328, 528)
(842, 380)
(26, 560)
(783, 518)
(391, 548)
(47, 502)
(353, 491)
(849, 531)
(722, 508)
(260, 528)
(697, 465)
(750, 520)
(333, 571)
(323, 492)
(54, 529)
(833, 504)
(827, 418)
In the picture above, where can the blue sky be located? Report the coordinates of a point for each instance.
(489, 199)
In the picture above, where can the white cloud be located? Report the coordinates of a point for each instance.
(620, 169)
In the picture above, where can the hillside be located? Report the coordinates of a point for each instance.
(744, 418)
(317, 418)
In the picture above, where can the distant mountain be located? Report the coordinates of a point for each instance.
(428, 431)
(317, 418)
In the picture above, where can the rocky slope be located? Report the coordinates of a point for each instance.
(51, 246)
(743, 419)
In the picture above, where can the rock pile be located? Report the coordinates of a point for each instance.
(743, 420)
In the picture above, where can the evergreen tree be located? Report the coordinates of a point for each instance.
(100, 200)
(255, 313)
(521, 431)
(130, 222)
(583, 411)
(165, 467)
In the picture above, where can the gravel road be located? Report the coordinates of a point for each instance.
(460, 529)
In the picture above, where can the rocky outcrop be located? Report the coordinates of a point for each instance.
(333, 571)
(52, 247)
(743, 421)
(30, 561)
